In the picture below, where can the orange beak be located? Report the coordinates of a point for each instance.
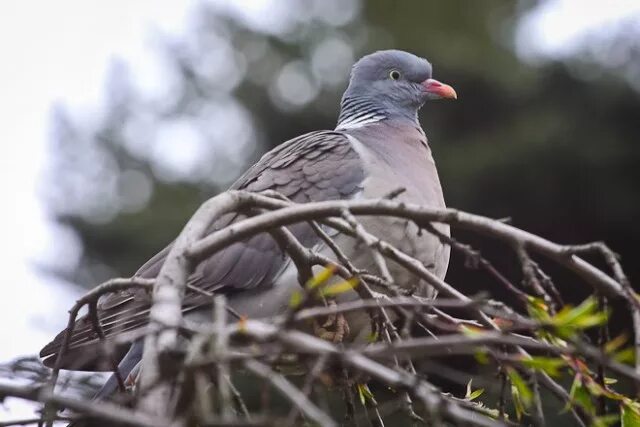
(437, 89)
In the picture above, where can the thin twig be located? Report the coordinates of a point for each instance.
(104, 410)
(312, 376)
(291, 392)
(220, 350)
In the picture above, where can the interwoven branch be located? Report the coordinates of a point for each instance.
(412, 331)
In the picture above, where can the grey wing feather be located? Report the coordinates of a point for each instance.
(283, 170)
(313, 167)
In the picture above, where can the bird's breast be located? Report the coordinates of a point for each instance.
(401, 160)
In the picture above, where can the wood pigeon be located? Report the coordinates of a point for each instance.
(378, 146)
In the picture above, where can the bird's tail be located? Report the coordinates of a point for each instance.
(127, 368)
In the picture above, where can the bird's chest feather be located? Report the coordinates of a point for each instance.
(402, 160)
(395, 159)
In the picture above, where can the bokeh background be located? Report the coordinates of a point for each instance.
(120, 118)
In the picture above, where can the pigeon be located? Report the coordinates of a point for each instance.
(378, 147)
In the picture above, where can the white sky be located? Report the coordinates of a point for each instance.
(556, 28)
(60, 51)
(51, 51)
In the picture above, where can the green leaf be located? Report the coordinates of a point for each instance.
(584, 316)
(475, 394)
(570, 320)
(520, 392)
(517, 403)
(628, 356)
(568, 314)
(630, 414)
(295, 300)
(471, 331)
(339, 288)
(470, 394)
(596, 389)
(537, 308)
(482, 357)
(518, 382)
(549, 365)
(365, 394)
(372, 337)
(616, 343)
(595, 319)
(580, 395)
(321, 277)
(551, 338)
(606, 420)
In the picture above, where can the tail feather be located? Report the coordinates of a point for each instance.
(128, 369)
(128, 365)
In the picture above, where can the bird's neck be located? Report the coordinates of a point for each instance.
(362, 111)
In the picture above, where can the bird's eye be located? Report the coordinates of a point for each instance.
(394, 74)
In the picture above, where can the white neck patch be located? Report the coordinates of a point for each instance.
(354, 122)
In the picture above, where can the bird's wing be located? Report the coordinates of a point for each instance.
(313, 167)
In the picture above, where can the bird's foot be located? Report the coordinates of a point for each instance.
(335, 328)
(131, 381)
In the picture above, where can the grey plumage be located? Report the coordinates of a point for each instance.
(126, 366)
(301, 169)
(378, 146)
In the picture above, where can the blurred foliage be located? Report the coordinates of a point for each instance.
(553, 145)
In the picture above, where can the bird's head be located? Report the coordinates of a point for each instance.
(395, 82)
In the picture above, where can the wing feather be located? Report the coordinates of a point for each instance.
(313, 167)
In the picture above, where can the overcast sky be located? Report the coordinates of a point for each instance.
(59, 51)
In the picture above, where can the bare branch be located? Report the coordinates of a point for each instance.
(454, 324)
(167, 302)
(104, 411)
(291, 392)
